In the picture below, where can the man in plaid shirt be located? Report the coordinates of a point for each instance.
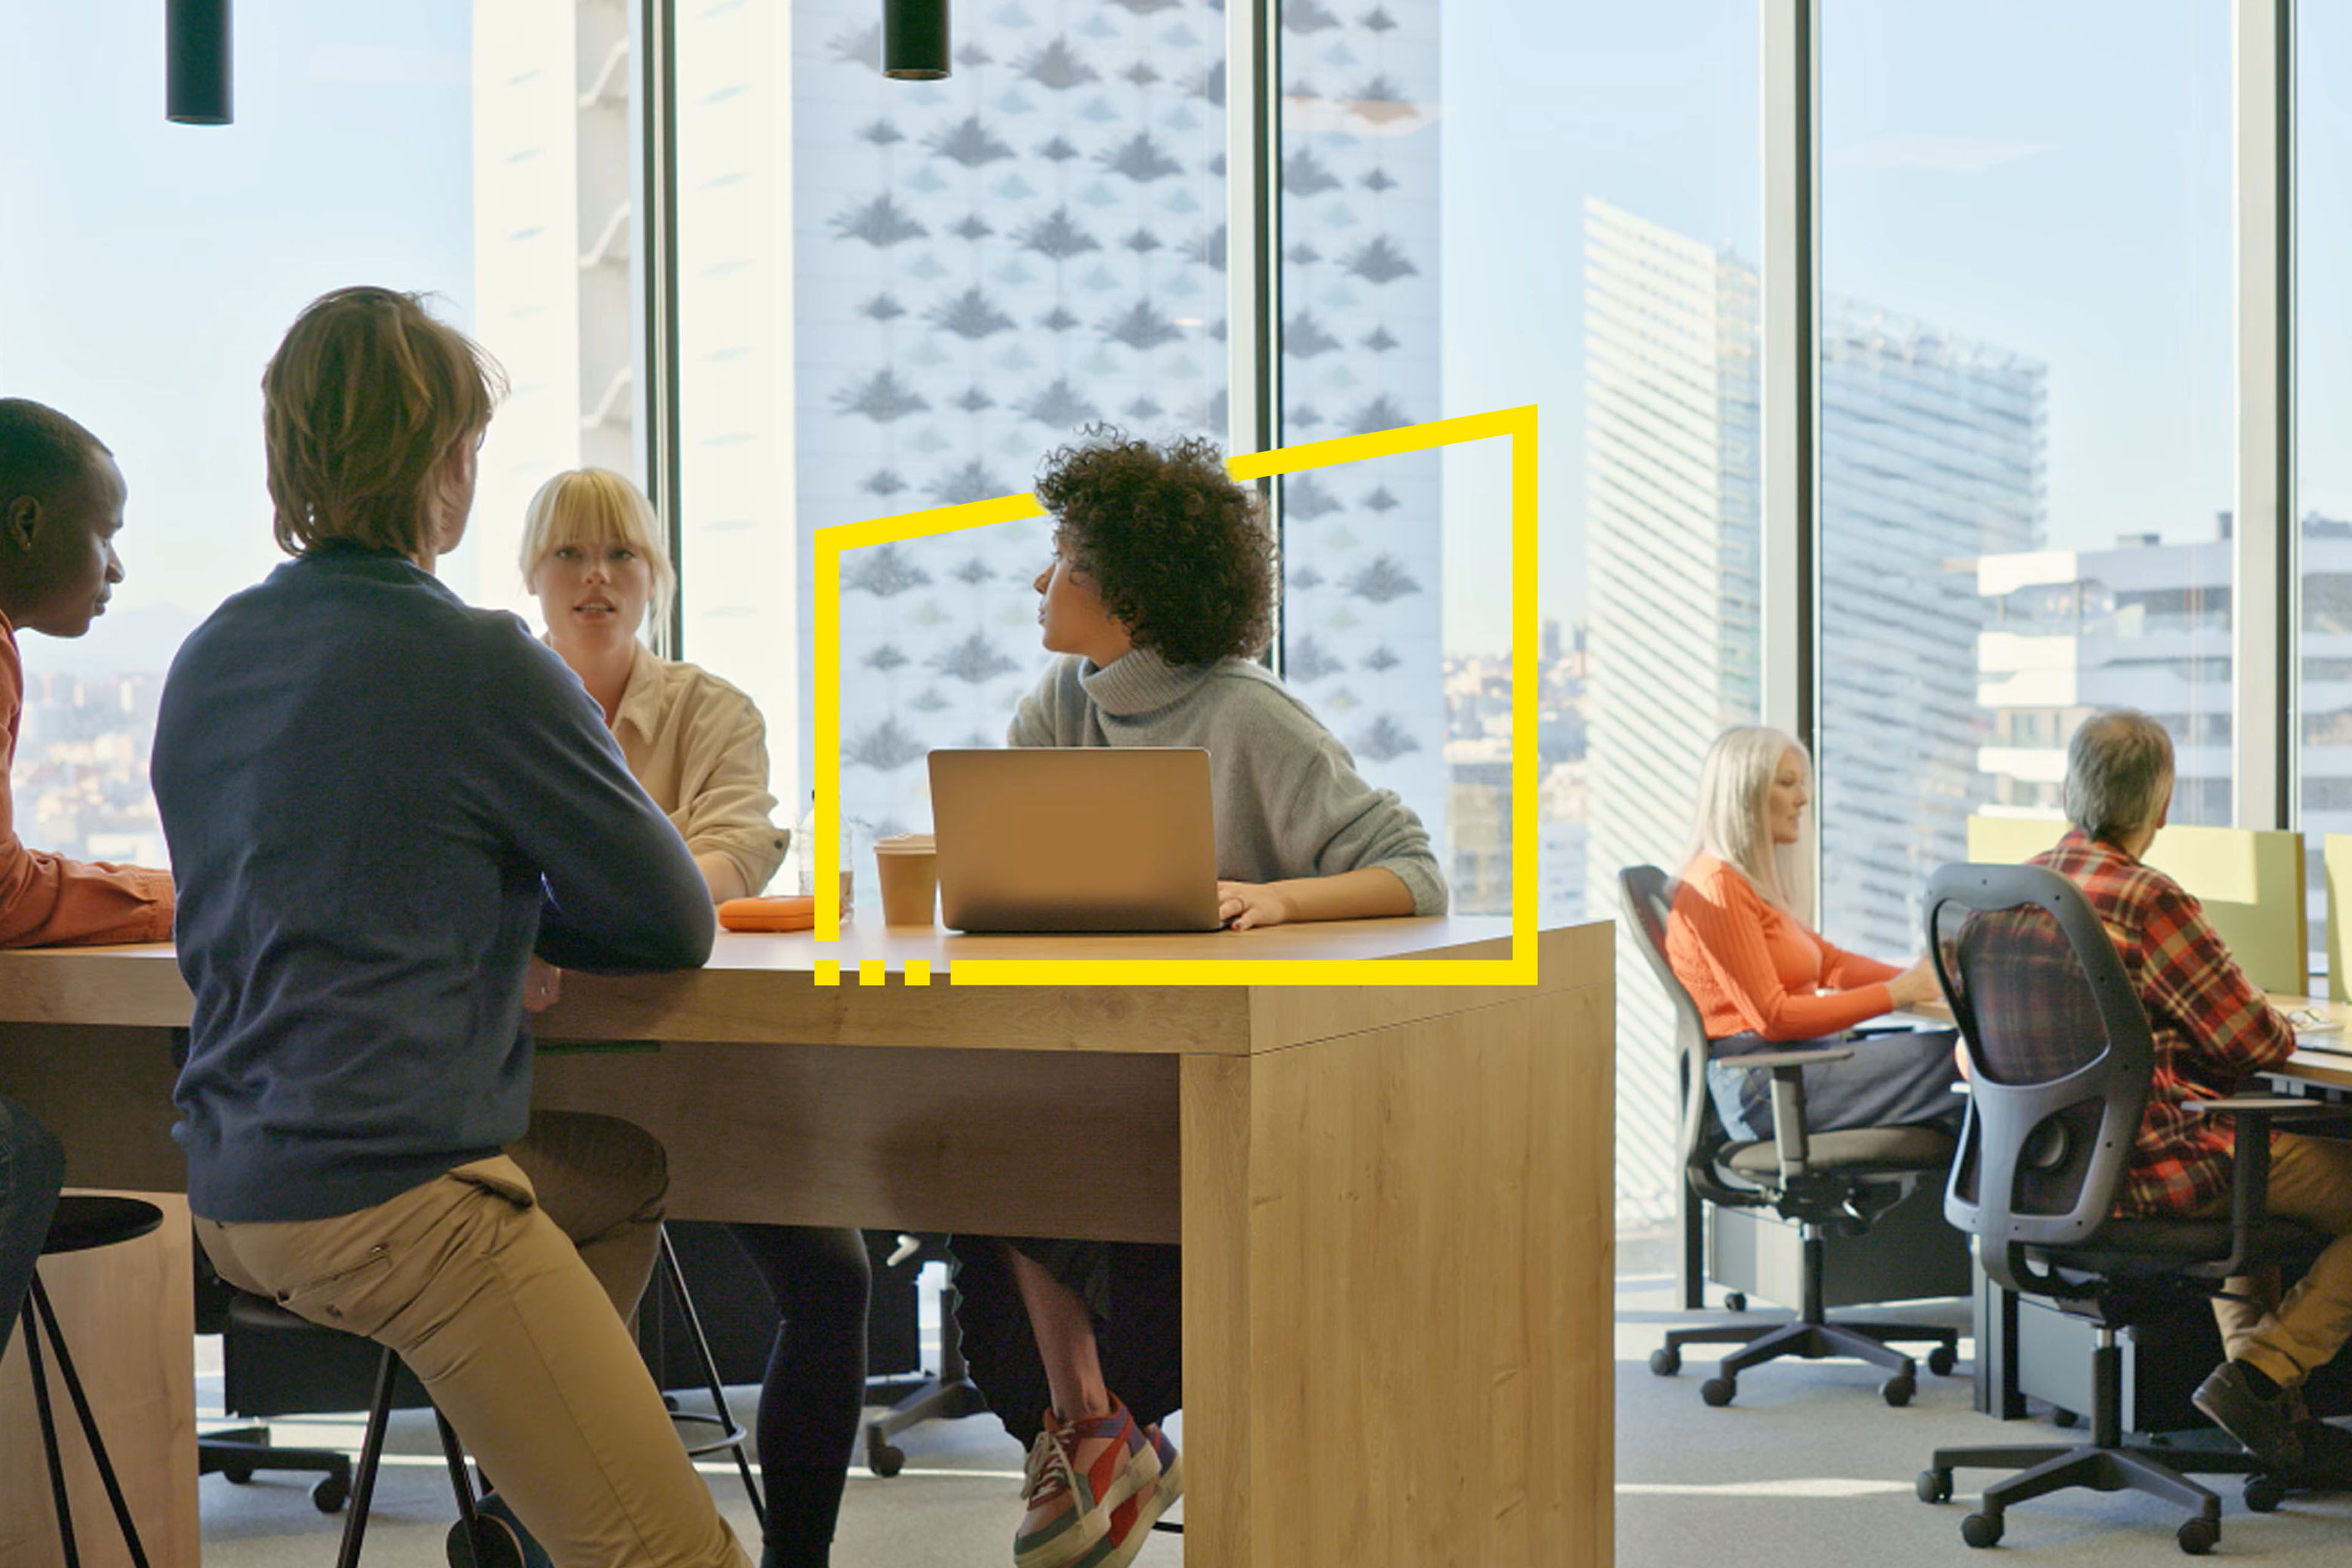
(2212, 1031)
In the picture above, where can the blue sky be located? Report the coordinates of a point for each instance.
(2050, 179)
(148, 269)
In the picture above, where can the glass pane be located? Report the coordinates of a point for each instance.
(2026, 427)
(160, 268)
(981, 266)
(2322, 462)
(1429, 271)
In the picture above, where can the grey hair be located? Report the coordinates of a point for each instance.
(2118, 773)
(1734, 787)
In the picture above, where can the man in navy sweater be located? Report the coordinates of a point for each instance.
(380, 804)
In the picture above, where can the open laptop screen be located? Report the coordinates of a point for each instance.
(1074, 838)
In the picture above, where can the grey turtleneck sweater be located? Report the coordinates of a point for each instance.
(1289, 800)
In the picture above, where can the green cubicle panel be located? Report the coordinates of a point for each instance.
(2250, 883)
(2336, 857)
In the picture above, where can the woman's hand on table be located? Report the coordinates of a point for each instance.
(542, 985)
(1245, 905)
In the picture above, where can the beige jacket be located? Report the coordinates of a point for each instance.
(700, 748)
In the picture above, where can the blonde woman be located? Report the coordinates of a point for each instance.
(1739, 941)
(592, 555)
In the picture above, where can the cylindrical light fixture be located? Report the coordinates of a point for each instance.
(915, 39)
(197, 55)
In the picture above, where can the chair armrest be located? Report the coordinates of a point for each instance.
(1785, 1058)
(2249, 1174)
(2283, 1104)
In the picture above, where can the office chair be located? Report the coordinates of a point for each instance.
(916, 1395)
(78, 1225)
(2061, 1058)
(1825, 1181)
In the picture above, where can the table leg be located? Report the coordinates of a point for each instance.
(1399, 1259)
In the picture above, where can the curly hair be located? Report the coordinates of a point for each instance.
(1177, 550)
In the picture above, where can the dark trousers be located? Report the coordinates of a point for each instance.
(32, 1169)
(1902, 1077)
(1136, 1292)
(814, 1395)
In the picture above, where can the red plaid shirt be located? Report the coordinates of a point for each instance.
(2212, 1028)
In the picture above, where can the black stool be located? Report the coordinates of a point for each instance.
(669, 1285)
(80, 1225)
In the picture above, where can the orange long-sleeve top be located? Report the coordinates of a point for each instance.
(1753, 968)
(48, 900)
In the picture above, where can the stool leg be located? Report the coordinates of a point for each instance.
(89, 1426)
(49, 1435)
(463, 1485)
(709, 1364)
(370, 1455)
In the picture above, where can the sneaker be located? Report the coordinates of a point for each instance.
(1132, 1521)
(2262, 1424)
(1077, 1473)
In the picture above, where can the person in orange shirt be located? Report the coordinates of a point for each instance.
(60, 506)
(1737, 939)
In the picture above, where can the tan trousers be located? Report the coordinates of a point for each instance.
(2289, 1338)
(476, 1280)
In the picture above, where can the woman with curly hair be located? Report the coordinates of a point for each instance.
(1160, 590)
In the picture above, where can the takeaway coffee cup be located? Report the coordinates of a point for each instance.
(908, 866)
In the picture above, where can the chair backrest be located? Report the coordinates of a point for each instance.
(2059, 1059)
(1648, 898)
(2249, 881)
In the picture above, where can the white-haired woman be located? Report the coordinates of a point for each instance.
(1738, 940)
(592, 555)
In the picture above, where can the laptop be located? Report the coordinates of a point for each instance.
(1076, 838)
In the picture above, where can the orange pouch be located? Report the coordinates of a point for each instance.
(797, 913)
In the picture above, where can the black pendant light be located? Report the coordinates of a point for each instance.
(196, 56)
(914, 39)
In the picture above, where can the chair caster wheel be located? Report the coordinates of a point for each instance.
(2200, 1535)
(1935, 1485)
(1897, 1390)
(1718, 1390)
(885, 1460)
(1736, 1301)
(1942, 1359)
(2062, 1418)
(1667, 1362)
(2264, 1493)
(1982, 1529)
(237, 1475)
(329, 1495)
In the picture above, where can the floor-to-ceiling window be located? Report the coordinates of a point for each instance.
(2026, 424)
(1484, 206)
(2323, 502)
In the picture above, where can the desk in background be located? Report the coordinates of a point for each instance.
(1395, 1202)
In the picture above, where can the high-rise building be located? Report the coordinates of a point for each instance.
(1671, 467)
(1931, 453)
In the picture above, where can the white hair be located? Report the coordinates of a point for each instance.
(1735, 788)
(2118, 774)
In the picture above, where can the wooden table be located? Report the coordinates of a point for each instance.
(1394, 1201)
